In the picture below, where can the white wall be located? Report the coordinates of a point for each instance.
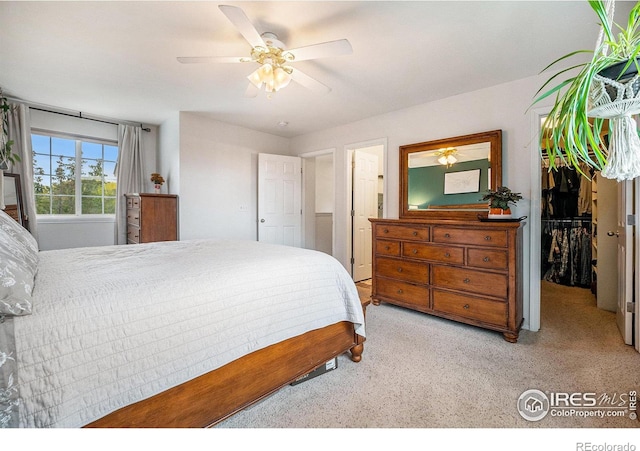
(218, 170)
(324, 184)
(78, 231)
(169, 153)
(500, 107)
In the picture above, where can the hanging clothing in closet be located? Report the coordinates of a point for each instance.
(565, 192)
(566, 226)
(566, 252)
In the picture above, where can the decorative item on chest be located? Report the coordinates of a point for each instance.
(158, 180)
(499, 201)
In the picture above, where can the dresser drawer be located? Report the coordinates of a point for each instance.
(384, 247)
(403, 270)
(133, 234)
(402, 232)
(479, 282)
(133, 202)
(487, 258)
(133, 217)
(485, 310)
(478, 237)
(402, 291)
(445, 254)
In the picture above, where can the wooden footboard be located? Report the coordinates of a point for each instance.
(212, 397)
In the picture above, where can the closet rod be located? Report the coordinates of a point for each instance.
(575, 219)
(80, 116)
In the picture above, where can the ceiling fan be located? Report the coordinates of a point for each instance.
(276, 70)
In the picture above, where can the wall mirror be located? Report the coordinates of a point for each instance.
(12, 198)
(447, 178)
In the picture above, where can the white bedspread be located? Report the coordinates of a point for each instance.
(114, 325)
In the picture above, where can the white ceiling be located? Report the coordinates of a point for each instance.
(118, 59)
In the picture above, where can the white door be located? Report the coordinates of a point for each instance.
(365, 206)
(607, 257)
(624, 232)
(636, 264)
(279, 199)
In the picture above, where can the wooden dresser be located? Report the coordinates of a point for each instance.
(151, 217)
(467, 271)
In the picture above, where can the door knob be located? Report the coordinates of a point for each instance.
(610, 233)
(262, 220)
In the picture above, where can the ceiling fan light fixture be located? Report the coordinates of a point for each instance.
(274, 77)
(447, 157)
(281, 77)
(255, 78)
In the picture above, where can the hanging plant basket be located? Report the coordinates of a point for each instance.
(604, 89)
(615, 92)
(615, 95)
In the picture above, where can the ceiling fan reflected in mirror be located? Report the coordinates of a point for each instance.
(275, 69)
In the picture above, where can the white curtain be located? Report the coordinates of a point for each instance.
(20, 134)
(129, 173)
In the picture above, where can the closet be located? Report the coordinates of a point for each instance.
(568, 226)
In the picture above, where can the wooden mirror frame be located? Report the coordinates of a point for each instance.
(466, 211)
(16, 211)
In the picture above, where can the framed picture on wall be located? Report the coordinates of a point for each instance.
(462, 182)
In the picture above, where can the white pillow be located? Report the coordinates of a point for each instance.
(18, 266)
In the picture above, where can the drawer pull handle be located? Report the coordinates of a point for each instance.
(399, 269)
(466, 306)
(467, 280)
(386, 230)
(400, 291)
(486, 259)
(415, 251)
(447, 254)
(446, 235)
(415, 233)
(487, 238)
(386, 248)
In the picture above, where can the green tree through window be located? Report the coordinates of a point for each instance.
(62, 189)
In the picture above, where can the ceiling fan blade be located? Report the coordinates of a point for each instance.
(213, 59)
(243, 24)
(308, 82)
(323, 50)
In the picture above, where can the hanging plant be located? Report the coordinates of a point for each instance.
(606, 88)
(6, 155)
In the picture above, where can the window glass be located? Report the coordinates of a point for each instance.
(63, 188)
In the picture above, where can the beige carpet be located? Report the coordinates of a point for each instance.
(420, 371)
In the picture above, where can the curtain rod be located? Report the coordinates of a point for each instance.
(80, 116)
(39, 107)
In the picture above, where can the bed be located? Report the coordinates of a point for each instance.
(172, 334)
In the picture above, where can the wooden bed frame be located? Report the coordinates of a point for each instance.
(214, 396)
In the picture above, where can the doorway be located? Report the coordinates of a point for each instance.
(366, 166)
(318, 173)
(599, 225)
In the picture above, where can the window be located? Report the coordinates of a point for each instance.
(62, 189)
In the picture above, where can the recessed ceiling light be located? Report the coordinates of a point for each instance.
(283, 123)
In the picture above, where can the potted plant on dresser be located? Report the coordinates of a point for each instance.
(499, 201)
(605, 88)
